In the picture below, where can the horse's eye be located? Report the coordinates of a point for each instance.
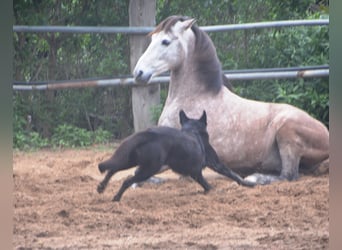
(166, 42)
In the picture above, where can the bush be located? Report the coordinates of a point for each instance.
(70, 136)
(102, 136)
(29, 141)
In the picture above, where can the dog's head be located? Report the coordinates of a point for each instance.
(190, 125)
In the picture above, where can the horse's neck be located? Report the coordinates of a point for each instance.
(187, 81)
(183, 83)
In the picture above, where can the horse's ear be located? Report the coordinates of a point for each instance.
(182, 117)
(204, 118)
(188, 23)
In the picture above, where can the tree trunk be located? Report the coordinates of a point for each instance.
(144, 98)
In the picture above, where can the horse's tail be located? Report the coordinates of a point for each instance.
(215, 164)
(124, 156)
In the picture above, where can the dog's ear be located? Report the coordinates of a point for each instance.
(203, 118)
(182, 117)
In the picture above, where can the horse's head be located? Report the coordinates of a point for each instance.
(167, 50)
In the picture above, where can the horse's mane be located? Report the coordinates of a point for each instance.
(168, 23)
(209, 68)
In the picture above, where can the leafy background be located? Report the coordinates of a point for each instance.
(82, 117)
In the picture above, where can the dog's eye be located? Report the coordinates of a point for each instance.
(166, 42)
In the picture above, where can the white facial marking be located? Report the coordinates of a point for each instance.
(166, 52)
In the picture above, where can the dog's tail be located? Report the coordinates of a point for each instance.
(103, 166)
(215, 164)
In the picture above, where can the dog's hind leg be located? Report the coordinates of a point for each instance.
(103, 184)
(111, 168)
(141, 174)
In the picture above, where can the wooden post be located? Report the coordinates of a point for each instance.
(142, 13)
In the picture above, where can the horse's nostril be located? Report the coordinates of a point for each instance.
(140, 73)
(141, 76)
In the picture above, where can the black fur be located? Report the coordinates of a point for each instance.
(186, 151)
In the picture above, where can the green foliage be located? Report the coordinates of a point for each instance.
(29, 141)
(63, 136)
(23, 135)
(290, 47)
(70, 136)
(101, 136)
(61, 56)
(308, 97)
(157, 110)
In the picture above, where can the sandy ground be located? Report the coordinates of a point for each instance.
(56, 206)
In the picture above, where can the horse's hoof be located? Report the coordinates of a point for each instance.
(155, 180)
(262, 179)
(247, 183)
(251, 178)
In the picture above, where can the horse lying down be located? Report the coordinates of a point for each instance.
(186, 152)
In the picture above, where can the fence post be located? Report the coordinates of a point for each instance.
(142, 13)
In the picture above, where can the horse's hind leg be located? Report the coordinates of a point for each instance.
(289, 170)
(289, 152)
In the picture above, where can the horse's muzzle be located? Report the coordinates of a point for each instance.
(141, 77)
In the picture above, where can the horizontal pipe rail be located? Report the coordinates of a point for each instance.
(271, 24)
(145, 30)
(129, 81)
(83, 29)
(228, 72)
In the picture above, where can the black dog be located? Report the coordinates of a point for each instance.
(186, 151)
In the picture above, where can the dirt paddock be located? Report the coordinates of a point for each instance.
(56, 206)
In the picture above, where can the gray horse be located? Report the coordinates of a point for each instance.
(273, 141)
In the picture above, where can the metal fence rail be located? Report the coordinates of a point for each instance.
(145, 30)
(298, 72)
(262, 74)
